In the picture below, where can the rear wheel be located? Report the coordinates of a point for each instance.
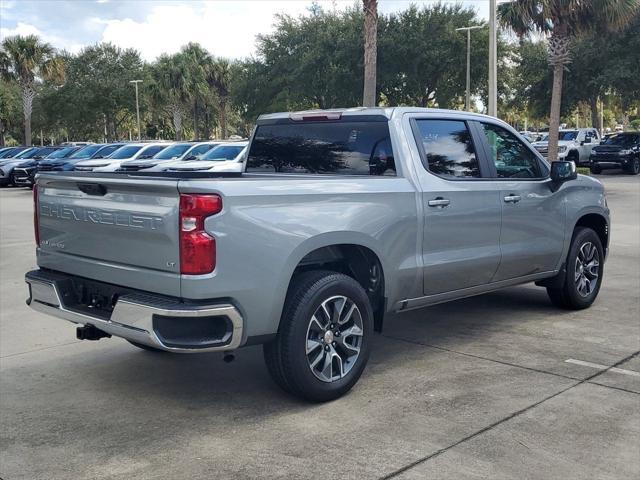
(585, 267)
(322, 346)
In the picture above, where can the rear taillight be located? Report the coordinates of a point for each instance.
(36, 227)
(197, 247)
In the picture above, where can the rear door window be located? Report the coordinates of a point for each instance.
(447, 148)
(347, 147)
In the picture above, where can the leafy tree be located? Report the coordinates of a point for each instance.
(422, 58)
(563, 21)
(98, 95)
(27, 60)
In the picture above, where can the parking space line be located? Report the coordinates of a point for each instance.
(603, 367)
(513, 415)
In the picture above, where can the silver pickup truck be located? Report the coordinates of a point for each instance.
(340, 217)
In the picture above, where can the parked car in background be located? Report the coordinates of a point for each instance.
(24, 173)
(574, 145)
(227, 157)
(170, 154)
(340, 217)
(129, 151)
(93, 151)
(13, 152)
(35, 153)
(621, 150)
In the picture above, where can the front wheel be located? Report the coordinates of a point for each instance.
(596, 169)
(585, 267)
(322, 346)
(634, 167)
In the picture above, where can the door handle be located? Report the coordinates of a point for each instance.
(438, 202)
(511, 198)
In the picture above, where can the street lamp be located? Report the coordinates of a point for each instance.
(136, 82)
(468, 30)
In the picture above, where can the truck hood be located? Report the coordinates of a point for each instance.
(566, 143)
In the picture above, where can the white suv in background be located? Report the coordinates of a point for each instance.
(573, 144)
(130, 151)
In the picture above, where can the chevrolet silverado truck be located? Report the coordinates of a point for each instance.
(339, 218)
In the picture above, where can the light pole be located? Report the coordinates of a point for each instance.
(136, 82)
(468, 30)
(493, 61)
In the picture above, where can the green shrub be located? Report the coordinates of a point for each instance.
(583, 170)
(635, 124)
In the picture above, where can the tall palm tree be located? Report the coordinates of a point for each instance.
(27, 60)
(218, 76)
(370, 51)
(195, 58)
(170, 88)
(562, 21)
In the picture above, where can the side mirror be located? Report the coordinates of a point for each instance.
(587, 140)
(563, 171)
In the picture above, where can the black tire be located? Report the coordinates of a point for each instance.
(287, 357)
(574, 157)
(569, 296)
(596, 169)
(146, 347)
(634, 167)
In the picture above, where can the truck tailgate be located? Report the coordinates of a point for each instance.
(116, 229)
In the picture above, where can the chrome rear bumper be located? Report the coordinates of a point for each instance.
(133, 315)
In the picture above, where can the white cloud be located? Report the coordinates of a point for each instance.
(27, 29)
(226, 29)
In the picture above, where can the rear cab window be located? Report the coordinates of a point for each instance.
(349, 146)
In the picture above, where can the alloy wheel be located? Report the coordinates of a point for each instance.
(334, 338)
(587, 269)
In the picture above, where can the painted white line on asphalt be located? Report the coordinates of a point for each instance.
(603, 367)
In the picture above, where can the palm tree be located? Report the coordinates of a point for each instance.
(562, 21)
(170, 88)
(195, 58)
(370, 51)
(27, 60)
(218, 76)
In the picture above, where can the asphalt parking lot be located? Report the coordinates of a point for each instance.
(499, 386)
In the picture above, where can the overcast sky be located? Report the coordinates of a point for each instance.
(225, 28)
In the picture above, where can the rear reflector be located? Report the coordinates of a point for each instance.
(36, 227)
(197, 247)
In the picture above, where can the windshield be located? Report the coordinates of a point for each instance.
(86, 152)
(61, 153)
(200, 149)
(125, 152)
(624, 140)
(27, 152)
(173, 151)
(567, 135)
(104, 152)
(223, 152)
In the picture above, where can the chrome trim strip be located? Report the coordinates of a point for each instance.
(133, 320)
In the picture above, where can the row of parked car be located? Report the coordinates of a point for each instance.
(585, 147)
(19, 165)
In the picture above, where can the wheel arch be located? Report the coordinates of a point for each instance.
(598, 223)
(352, 253)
